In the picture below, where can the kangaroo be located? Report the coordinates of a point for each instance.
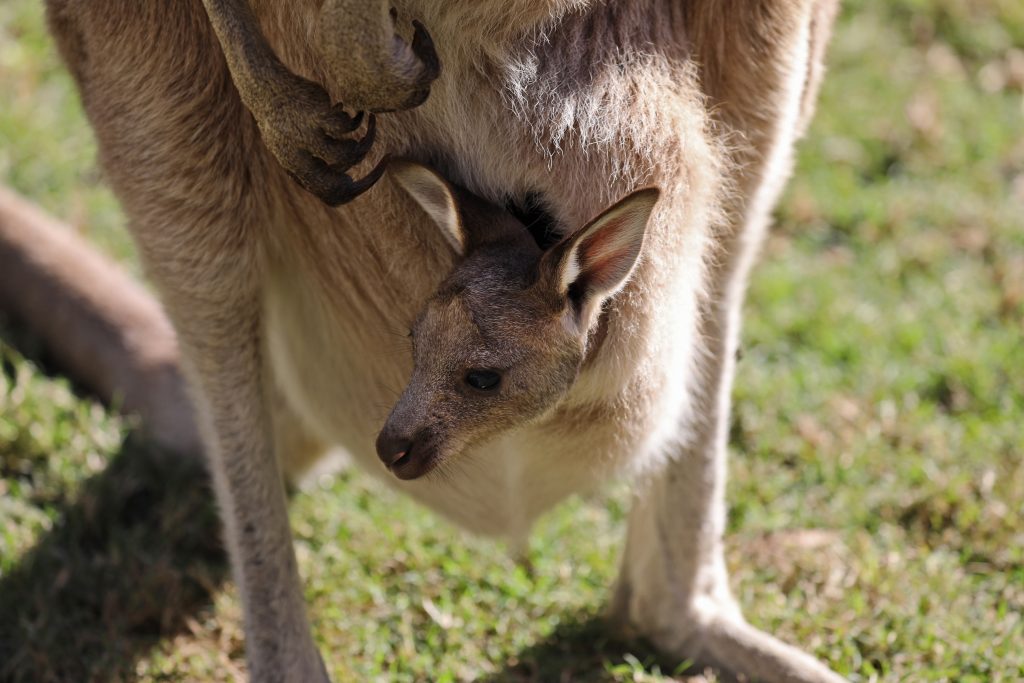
(230, 131)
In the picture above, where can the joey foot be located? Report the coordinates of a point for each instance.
(307, 134)
(373, 67)
(368, 67)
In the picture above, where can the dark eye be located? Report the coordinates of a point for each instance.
(483, 380)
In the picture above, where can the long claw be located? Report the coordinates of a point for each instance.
(353, 188)
(346, 152)
(338, 123)
(364, 145)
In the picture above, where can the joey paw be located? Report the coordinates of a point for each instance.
(316, 142)
(378, 70)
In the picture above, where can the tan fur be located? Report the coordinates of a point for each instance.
(275, 294)
(101, 326)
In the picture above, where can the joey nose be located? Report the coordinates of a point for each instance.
(391, 449)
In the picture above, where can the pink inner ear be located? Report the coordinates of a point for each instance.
(607, 255)
(602, 254)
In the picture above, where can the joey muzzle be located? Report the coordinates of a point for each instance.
(406, 457)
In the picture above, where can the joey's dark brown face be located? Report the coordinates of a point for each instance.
(492, 350)
(503, 338)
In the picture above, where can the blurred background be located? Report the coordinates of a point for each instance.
(877, 470)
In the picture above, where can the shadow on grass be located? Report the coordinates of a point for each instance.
(136, 553)
(583, 648)
(127, 560)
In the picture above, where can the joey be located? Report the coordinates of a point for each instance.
(504, 336)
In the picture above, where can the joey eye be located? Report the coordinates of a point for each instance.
(483, 380)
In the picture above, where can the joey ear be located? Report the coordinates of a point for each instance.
(435, 195)
(597, 260)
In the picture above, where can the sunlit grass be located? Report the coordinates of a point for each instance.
(876, 484)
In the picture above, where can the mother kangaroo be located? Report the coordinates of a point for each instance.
(227, 129)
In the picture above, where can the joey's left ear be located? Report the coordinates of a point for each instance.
(596, 261)
(434, 195)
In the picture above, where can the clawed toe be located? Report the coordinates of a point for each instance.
(415, 66)
(340, 188)
(338, 123)
(344, 152)
(430, 67)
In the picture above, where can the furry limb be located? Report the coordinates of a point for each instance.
(99, 324)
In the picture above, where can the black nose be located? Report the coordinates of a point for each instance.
(408, 458)
(391, 449)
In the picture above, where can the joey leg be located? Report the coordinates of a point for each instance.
(315, 140)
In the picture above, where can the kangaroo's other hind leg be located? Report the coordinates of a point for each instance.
(297, 448)
(673, 586)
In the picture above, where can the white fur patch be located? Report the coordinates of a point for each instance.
(570, 271)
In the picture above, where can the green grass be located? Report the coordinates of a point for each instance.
(880, 403)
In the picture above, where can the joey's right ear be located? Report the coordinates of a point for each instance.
(435, 195)
(593, 263)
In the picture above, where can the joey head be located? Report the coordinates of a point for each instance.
(502, 339)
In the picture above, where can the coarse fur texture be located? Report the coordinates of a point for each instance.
(286, 308)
